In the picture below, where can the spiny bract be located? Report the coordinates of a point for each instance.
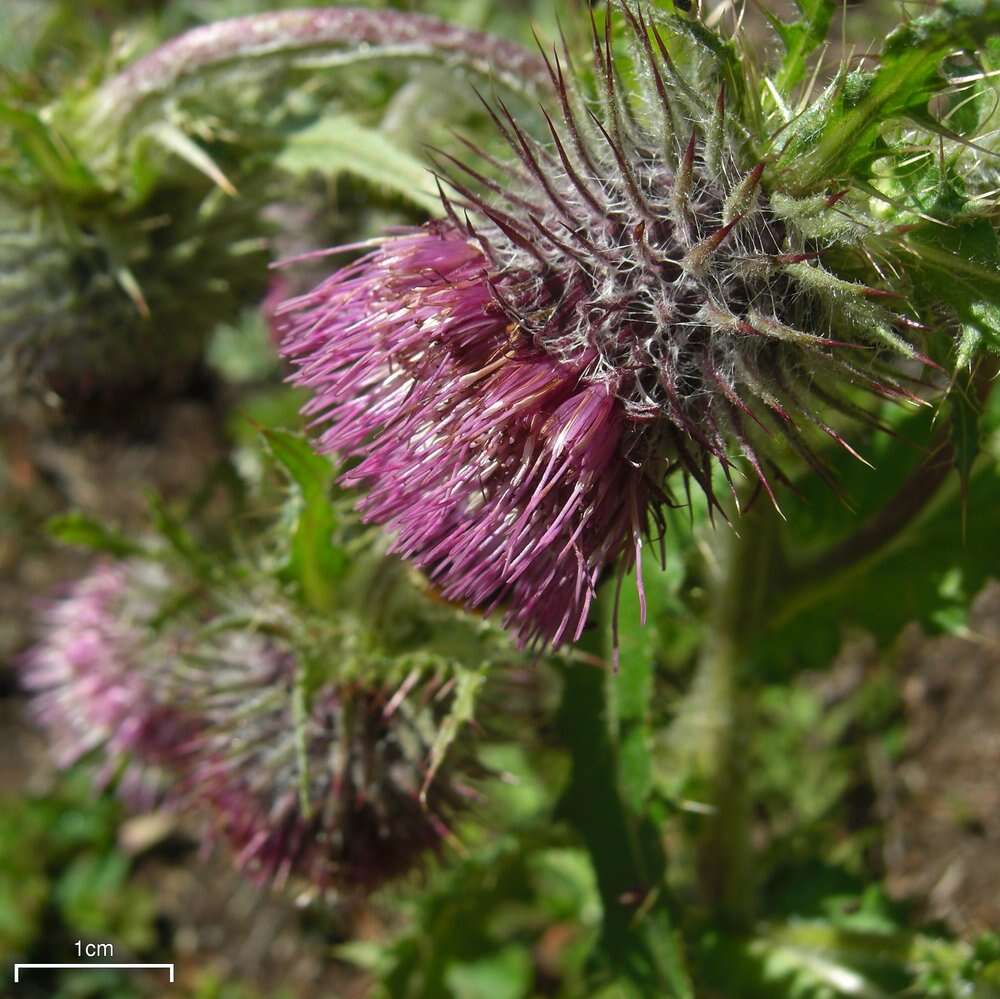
(520, 380)
(340, 800)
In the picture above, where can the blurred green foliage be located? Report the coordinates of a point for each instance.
(64, 877)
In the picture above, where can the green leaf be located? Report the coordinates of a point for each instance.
(800, 39)
(50, 155)
(964, 254)
(505, 974)
(836, 136)
(486, 899)
(814, 959)
(79, 529)
(468, 683)
(171, 138)
(170, 528)
(316, 563)
(630, 690)
(958, 263)
(340, 144)
(980, 330)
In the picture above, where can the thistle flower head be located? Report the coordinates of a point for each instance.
(520, 381)
(493, 463)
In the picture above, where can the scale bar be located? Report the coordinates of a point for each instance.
(18, 967)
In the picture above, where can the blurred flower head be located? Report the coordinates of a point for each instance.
(320, 776)
(340, 797)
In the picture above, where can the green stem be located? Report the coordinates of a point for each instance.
(720, 701)
(354, 33)
(639, 943)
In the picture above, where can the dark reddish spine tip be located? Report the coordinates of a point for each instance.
(718, 237)
(827, 342)
(911, 324)
(835, 197)
(688, 164)
(924, 359)
(797, 258)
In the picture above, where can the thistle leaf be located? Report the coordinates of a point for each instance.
(965, 257)
(171, 138)
(79, 529)
(177, 536)
(630, 690)
(339, 144)
(836, 136)
(315, 562)
(800, 39)
(959, 264)
(468, 683)
(42, 147)
(980, 330)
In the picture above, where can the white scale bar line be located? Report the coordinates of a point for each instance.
(18, 967)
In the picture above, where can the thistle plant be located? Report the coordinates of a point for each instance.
(669, 304)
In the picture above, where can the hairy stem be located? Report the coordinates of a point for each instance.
(720, 700)
(639, 942)
(363, 33)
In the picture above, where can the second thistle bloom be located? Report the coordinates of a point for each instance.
(330, 801)
(332, 792)
(92, 688)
